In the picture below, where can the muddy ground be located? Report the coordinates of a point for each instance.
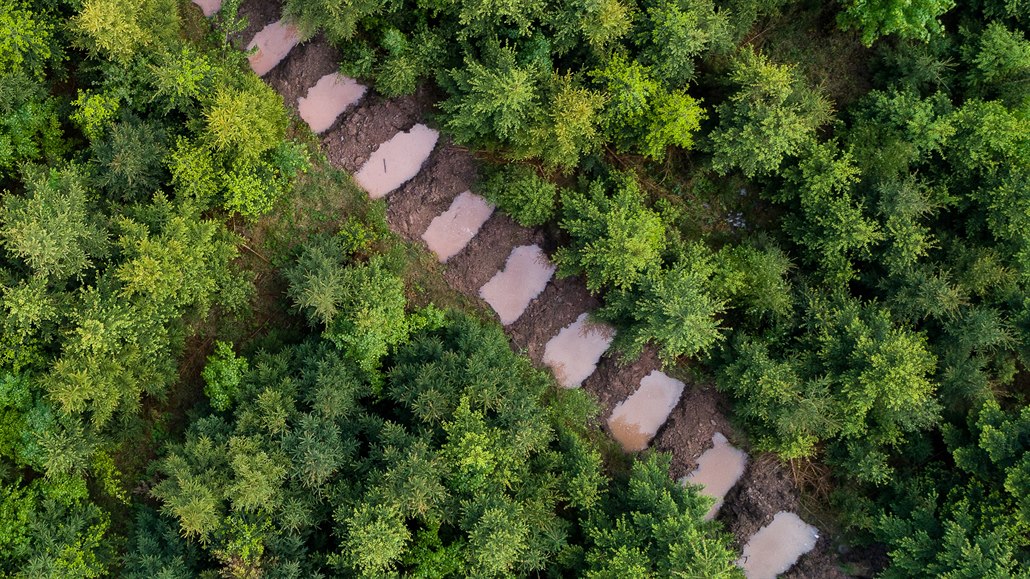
(301, 69)
(767, 488)
(487, 253)
(615, 379)
(561, 302)
(258, 13)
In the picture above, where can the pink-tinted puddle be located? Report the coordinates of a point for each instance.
(451, 231)
(209, 7)
(273, 43)
(636, 420)
(524, 276)
(718, 469)
(574, 352)
(331, 95)
(396, 161)
(777, 546)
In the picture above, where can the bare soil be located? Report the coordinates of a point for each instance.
(362, 129)
(301, 69)
(449, 171)
(701, 413)
(561, 302)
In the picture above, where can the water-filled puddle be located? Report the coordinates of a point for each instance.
(718, 469)
(574, 352)
(273, 43)
(451, 231)
(331, 95)
(777, 546)
(524, 276)
(396, 161)
(636, 420)
(208, 7)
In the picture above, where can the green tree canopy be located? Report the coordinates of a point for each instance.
(615, 239)
(673, 309)
(916, 19)
(771, 116)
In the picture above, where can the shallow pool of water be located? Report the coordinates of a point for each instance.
(273, 43)
(574, 352)
(208, 7)
(777, 546)
(396, 161)
(718, 469)
(331, 95)
(636, 420)
(524, 276)
(451, 231)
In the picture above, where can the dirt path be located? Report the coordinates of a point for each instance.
(765, 488)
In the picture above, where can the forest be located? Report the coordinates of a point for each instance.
(217, 360)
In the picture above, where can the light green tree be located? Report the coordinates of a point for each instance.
(605, 22)
(120, 28)
(567, 126)
(25, 38)
(769, 117)
(376, 539)
(916, 19)
(614, 239)
(246, 121)
(52, 228)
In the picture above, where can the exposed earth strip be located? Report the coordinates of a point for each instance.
(428, 186)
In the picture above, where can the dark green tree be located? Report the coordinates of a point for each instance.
(653, 528)
(523, 194)
(495, 99)
(966, 519)
(672, 309)
(675, 33)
